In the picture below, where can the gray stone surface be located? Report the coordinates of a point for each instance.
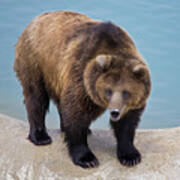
(19, 159)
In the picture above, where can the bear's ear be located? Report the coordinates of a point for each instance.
(104, 61)
(139, 71)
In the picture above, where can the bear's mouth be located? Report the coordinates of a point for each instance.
(116, 114)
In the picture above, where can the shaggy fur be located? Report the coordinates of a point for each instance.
(71, 59)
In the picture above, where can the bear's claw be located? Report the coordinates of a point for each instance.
(40, 138)
(87, 161)
(82, 156)
(129, 158)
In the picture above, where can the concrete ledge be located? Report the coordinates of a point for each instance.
(19, 159)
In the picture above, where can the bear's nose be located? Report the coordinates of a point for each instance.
(115, 114)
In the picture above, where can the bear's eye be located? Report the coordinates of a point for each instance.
(126, 94)
(108, 92)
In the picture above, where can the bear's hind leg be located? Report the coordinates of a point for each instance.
(89, 132)
(37, 104)
(124, 131)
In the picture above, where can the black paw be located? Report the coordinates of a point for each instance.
(39, 137)
(82, 156)
(129, 156)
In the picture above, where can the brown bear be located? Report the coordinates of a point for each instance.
(85, 66)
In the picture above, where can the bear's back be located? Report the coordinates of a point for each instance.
(58, 46)
(49, 31)
(45, 48)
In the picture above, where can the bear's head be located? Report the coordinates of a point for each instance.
(117, 84)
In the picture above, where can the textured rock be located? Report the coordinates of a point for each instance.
(19, 159)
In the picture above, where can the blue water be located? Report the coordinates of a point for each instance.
(154, 26)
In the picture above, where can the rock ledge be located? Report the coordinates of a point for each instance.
(19, 159)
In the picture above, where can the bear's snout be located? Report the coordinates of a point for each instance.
(115, 114)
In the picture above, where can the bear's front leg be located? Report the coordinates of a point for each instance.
(75, 122)
(124, 131)
(76, 138)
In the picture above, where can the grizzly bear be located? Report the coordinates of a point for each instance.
(85, 66)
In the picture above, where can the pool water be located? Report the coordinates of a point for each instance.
(154, 26)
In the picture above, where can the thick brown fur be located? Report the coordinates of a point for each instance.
(56, 59)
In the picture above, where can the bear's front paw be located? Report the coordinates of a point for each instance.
(129, 156)
(82, 156)
(39, 137)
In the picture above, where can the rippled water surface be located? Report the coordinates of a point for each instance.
(154, 26)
